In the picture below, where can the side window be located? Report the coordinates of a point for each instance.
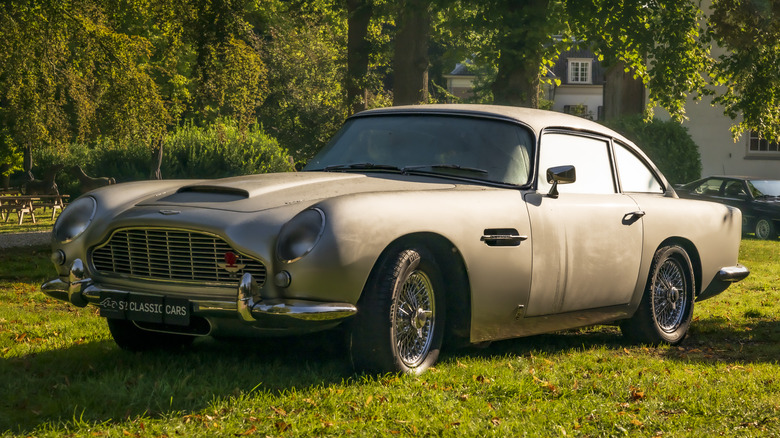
(635, 177)
(734, 189)
(710, 187)
(589, 156)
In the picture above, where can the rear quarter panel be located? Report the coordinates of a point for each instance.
(712, 231)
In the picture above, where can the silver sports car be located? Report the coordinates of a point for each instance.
(414, 227)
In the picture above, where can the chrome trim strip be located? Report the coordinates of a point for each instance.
(245, 307)
(733, 273)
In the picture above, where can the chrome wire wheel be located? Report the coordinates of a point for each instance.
(669, 296)
(413, 318)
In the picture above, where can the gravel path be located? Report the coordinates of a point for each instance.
(16, 240)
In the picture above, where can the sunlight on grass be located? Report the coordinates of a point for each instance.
(66, 377)
(43, 222)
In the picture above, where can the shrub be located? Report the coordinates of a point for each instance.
(667, 143)
(216, 151)
(221, 150)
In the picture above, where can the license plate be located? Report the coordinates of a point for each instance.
(145, 308)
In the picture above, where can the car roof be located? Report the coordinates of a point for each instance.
(536, 119)
(740, 177)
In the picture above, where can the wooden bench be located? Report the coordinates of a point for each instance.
(22, 204)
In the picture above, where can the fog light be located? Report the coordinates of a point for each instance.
(58, 257)
(282, 279)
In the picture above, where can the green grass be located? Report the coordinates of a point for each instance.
(62, 375)
(43, 222)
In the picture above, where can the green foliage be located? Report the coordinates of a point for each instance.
(660, 41)
(748, 73)
(306, 63)
(219, 150)
(667, 143)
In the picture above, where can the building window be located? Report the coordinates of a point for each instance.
(579, 71)
(759, 147)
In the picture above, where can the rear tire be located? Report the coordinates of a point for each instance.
(399, 326)
(765, 229)
(129, 337)
(665, 313)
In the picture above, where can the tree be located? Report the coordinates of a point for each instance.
(359, 13)
(411, 58)
(748, 72)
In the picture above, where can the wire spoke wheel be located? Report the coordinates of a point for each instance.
(666, 308)
(413, 316)
(669, 299)
(400, 322)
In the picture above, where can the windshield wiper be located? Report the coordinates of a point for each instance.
(360, 166)
(446, 167)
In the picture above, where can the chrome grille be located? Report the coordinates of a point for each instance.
(173, 255)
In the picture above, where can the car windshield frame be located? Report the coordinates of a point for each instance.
(465, 147)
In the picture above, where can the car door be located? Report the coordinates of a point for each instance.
(734, 192)
(587, 241)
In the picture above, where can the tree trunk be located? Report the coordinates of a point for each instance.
(410, 61)
(157, 157)
(28, 160)
(358, 50)
(623, 94)
(522, 51)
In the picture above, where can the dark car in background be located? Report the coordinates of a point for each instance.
(758, 198)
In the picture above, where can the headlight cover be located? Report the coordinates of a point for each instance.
(300, 235)
(75, 219)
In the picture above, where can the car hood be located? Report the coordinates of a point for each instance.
(261, 192)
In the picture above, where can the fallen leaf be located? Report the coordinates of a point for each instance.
(637, 394)
(277, 410)
(281, 426)
(249, 431)
(496, 421)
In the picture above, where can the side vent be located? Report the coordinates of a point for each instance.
(502, 237)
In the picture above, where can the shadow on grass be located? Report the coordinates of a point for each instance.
(709, 341)
(98, 382)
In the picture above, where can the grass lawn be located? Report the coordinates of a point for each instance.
(43, 222)
(62, 375)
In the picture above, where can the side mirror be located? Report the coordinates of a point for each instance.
(560, 175)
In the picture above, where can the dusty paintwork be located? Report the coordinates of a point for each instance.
(513, 260)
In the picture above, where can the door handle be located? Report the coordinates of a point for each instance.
(630, 218)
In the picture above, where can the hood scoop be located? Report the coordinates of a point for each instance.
(206, 193)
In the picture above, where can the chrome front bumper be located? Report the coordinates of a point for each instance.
(733, 274)
(248, 306)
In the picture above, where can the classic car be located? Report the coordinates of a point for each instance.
(757, 198)
(415, 227)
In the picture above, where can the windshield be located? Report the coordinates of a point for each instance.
(469, 147)
(764, 188)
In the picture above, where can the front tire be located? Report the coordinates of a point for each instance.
(665, 313)
(400, 321)
(129, 337)
(765, 229)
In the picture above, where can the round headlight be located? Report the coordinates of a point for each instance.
(299, 236)
(75, 219)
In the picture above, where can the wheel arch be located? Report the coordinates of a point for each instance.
(693, 255)
(455, 279)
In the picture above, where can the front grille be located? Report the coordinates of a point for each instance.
(174, 255)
